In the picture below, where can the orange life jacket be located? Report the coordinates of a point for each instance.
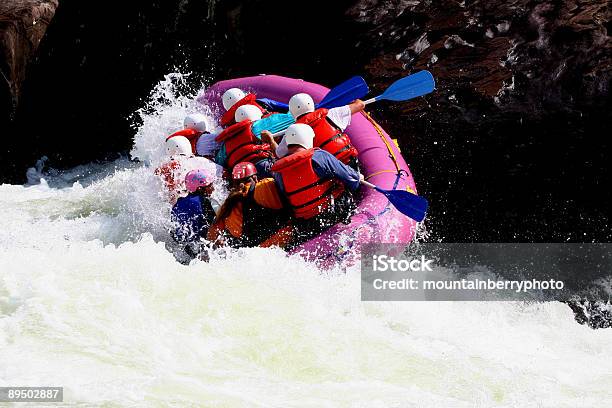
(250, 223)
(242, 145)
(228, 117)
(328, 136)
(190, 134)
(307, 193)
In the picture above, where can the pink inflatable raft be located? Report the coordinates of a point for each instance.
(376, 220)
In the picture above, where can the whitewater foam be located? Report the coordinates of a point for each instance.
(92, 300)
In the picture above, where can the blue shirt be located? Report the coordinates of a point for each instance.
(327, 166)
(192, 218)
(273, 123)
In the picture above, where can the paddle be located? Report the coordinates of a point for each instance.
(404, 89)
(409, 87)
(340, 95)
(345, 93)
(274, 105)
(409, 204)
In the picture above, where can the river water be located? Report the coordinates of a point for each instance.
(92, 300)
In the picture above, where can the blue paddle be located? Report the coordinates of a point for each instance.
(409, 87)
(274, 105)
(409, 204)
(345, 93)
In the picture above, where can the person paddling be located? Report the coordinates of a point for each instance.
(316, 185)
(178, 148)
(233, 99)
(180, 160)
(328, 126)
(194, 126)
(252, 214)
(240, 144)
(193, 214)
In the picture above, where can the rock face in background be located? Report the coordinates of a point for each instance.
(516, 127)
(511, 142)
(93, 69)
(23, 24)
(522, 55)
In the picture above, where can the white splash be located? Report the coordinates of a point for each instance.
(91, 300)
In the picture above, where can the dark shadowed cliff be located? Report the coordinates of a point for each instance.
(23, 24)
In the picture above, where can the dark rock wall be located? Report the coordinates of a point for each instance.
(315, 43)
(23, 24)
(93, 69)
(512, 146)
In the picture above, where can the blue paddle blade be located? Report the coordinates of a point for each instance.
(409, 204)
(345, 93)
(276, 106)
(409, 87)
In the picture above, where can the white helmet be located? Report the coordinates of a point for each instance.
(300, 134)
(231, 96)
(195, 121)
(247, 112)
(300, 104)
(178, 145)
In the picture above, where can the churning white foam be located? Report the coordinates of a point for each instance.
(91, 300)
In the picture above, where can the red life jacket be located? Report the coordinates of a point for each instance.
(167, 171)
(242, 145)
(170, 173)
(328, 136)
(228, 117)
(190, 134)
(306, 192)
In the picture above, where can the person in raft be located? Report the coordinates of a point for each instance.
(316, 185)
(194, 126)
(180, 160)
(233, 99)
(193, 214)
(252, 214)
(328, 126)
(240, 144)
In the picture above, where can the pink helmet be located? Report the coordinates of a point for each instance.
(196, 179)
(243, 170)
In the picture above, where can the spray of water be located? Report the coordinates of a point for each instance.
(91, 300)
